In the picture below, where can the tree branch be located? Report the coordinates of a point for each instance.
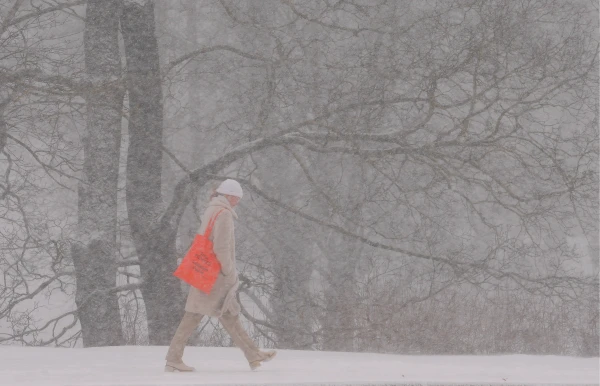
(11, 14)
(205, 50)
(44, 11)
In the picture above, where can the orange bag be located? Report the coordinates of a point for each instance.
(200, 267)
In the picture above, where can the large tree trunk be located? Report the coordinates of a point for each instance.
(155, 246)
(198, 150)
(167, 46)
(94, 253)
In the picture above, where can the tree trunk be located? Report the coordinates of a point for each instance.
(293, 264)
(291, 298)
(341, 298)
(339, 324)
(155, 246)
(198, 150)
(166, 52)
(94, 253)
(3, 125)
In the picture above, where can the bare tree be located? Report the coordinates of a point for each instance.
(94, 255)
(39, 165)
(159, 287)
(445, 107)
(415, 170)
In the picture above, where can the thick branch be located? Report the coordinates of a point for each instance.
(44, 11)
(205, 50)
(547, 282)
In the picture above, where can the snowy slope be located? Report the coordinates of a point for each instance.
(142, 366)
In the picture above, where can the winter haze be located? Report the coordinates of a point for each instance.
(420, 177)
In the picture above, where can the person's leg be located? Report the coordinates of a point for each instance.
(188, 325)
(240, 337)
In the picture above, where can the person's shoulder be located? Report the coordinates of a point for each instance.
(216, 212)
(224, 219)
(224, 214)
(224, 211)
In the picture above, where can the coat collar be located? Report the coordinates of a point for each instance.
(222, 202)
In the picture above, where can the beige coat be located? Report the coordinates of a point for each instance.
(222, 297)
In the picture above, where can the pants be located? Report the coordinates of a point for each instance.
(230, 322)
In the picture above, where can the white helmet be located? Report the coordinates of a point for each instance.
(230, 187)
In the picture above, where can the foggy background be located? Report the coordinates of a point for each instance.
(420, 177)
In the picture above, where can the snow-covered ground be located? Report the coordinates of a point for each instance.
(143, 366)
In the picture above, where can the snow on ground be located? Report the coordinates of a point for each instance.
(143, 366)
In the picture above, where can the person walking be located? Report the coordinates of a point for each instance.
(221, 302)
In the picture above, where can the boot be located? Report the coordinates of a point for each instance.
(172, 367)
(265, 357)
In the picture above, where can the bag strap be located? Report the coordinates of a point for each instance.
(208, 229)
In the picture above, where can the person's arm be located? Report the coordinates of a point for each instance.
(222, 243)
